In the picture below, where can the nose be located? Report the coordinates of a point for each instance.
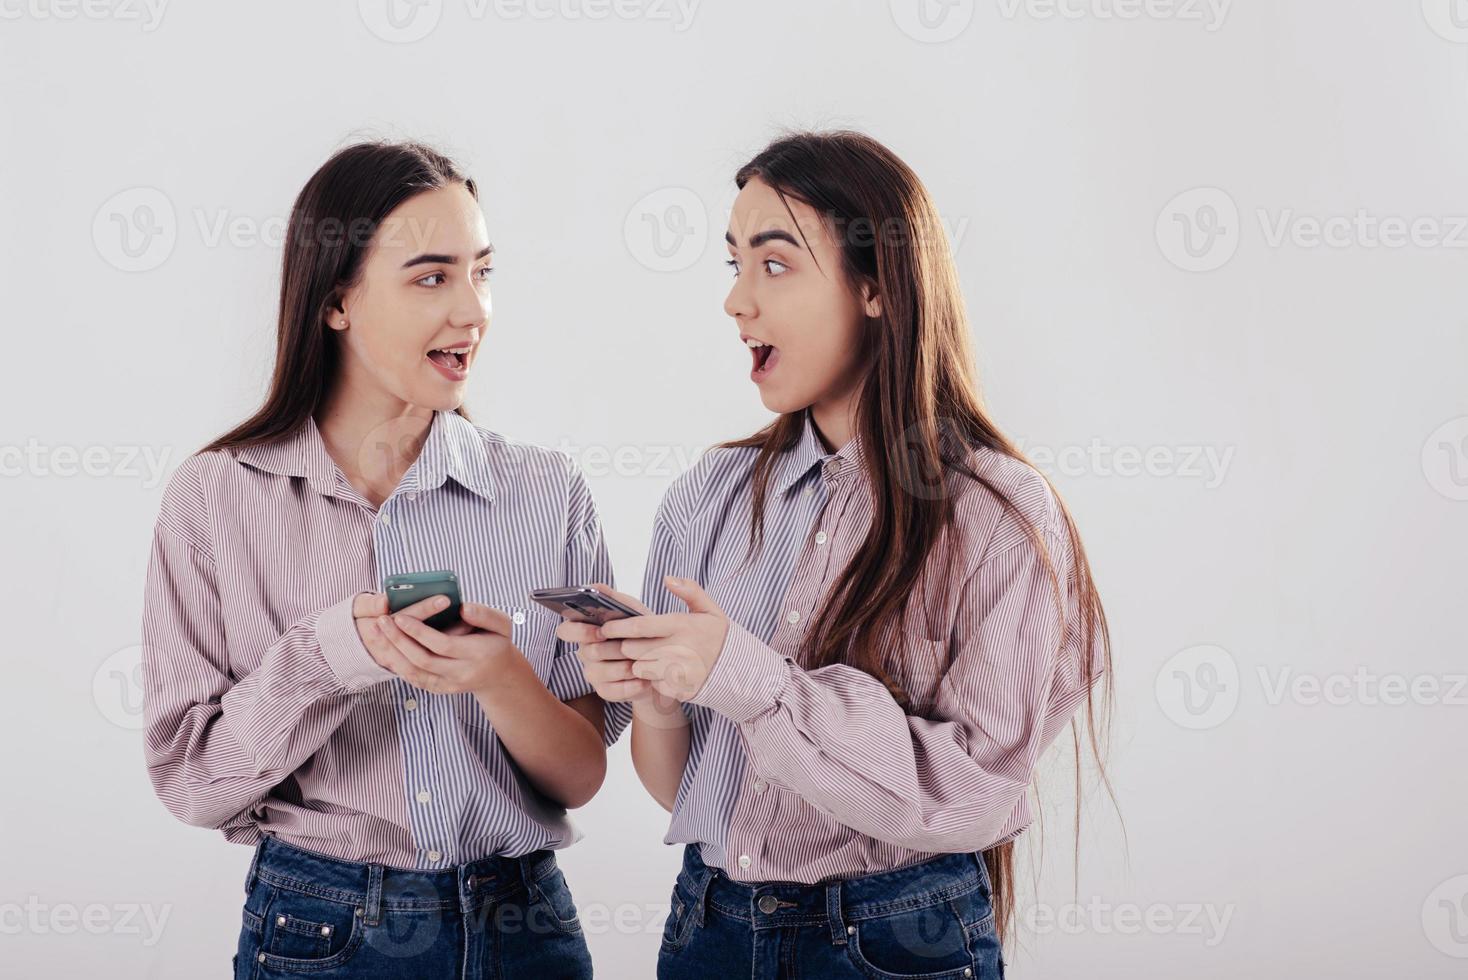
(472, 306)
(740, 304)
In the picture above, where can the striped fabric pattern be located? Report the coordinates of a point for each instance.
(264, 711)
(806, 775)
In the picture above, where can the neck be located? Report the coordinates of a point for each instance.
(372, 437)
(835, 421)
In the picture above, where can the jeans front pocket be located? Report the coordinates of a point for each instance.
(681, 916)
(928, 943)
(557, 905)
(305, 933)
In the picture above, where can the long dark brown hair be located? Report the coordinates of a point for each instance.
(919, 418)
(331, 228)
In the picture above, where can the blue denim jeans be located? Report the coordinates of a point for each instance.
(308, 915)
(932, 921)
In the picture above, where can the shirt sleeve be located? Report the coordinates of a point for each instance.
(215, 745)
(586, 561)
(838, 738)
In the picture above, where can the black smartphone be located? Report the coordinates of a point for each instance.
(583, 604)
(404, 590)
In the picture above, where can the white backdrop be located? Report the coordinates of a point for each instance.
(1214, 256)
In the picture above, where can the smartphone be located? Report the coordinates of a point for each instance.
(404, 590)
(583, 604)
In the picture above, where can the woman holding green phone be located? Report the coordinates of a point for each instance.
(405, 788)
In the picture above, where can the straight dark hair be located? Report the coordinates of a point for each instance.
(920, 416)
(332, 225)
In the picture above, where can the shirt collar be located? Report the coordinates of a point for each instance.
(809, 452)
(454, 448)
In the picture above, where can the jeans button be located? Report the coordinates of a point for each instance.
(768, 903)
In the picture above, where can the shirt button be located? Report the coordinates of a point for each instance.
(411, 704)
(809, 490)
(821, 537)
(386, 518)
(744, 860)
(412, 495)
(760, 785)
(423, 796)
(792, 617)
(435, 856)
(519, 617)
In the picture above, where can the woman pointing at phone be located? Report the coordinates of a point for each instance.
(872, 616)
(405, 787)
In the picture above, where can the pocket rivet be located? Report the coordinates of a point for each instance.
(968, 972)
(851, 930)
(280, 920)
(326, 930)
(359, 912)
(260, 957)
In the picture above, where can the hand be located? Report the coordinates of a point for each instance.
(467, 656)
(677, 651)
(607, 669)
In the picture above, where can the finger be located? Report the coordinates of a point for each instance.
(641, 649)
(622, 597)
(419, 656)
(486, 618)
(597, 652)
(665, 625)
(581, 633)
(369, 604)
(390, 657)
(608, 671)
(624, 690)
(692, 594)
(428, 637)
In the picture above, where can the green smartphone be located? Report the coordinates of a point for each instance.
(404, 590)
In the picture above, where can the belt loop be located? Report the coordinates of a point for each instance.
(254, 865)
(372, 914)
(833, 912)
(700, 894)
(526, 864)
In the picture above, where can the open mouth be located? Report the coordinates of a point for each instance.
(451, 359)
(765, 357)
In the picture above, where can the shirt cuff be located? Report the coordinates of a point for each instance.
(341, 646)
(747, 679)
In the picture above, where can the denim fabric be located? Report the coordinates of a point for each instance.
(932, 920)
(308, 915)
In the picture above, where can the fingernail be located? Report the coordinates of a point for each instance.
(440, 602)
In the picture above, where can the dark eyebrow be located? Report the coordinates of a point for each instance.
(437, 259)
(760, 238)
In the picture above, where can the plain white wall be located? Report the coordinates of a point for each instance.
(1214, 256)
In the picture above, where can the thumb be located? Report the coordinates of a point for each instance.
(693, 595)
(484, 617)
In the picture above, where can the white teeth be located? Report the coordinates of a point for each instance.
(755, 344)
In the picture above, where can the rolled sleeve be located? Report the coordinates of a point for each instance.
(748, 678)
(341, 645)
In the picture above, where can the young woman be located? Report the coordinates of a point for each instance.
(889, 613)
(405, 787)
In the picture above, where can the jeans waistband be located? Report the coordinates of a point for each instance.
(959, 878)
(374, 888)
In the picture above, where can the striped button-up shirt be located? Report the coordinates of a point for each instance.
(264, 711)
(799, 774)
